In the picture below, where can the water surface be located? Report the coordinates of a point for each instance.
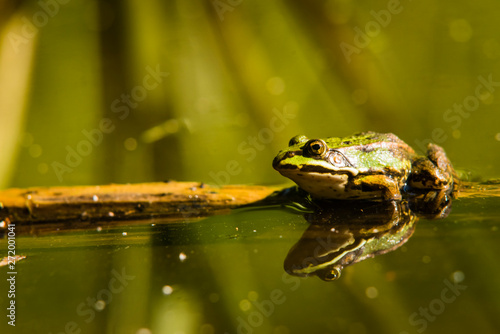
(225, 274)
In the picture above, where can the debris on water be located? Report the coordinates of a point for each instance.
(111, 214)
(167, 290)
(182, 256)
(13, 259)
(95, 198)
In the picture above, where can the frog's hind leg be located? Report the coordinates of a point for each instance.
(432, 172)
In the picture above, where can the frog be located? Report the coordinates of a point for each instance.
(364, 166)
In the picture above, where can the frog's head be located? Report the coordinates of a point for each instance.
(311, 156)
(314, 164)
(329, 168)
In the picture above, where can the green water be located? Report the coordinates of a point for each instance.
(225, 274)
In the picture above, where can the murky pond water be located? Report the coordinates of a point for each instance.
(226, 274)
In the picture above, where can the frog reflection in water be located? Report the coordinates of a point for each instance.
(342, 235)
(367, 165)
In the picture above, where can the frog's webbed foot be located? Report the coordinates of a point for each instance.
(434, 171)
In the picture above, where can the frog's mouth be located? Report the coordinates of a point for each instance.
(287, 169)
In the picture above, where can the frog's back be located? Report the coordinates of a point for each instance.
(368, 138)
(372, 150)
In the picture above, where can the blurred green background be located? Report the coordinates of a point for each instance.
(234, 81)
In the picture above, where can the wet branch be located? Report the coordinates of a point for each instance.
(124, 201)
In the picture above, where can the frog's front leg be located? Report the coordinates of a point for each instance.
(378, 183)
(432, 172)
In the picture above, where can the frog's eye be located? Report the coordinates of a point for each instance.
(297, 140)
(316, 148)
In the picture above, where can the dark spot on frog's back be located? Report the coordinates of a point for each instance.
(347, 142)
(367, 148)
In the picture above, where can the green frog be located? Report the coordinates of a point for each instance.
(368, 165)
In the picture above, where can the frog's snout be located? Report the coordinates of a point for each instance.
(280, 157)
(276, 162)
